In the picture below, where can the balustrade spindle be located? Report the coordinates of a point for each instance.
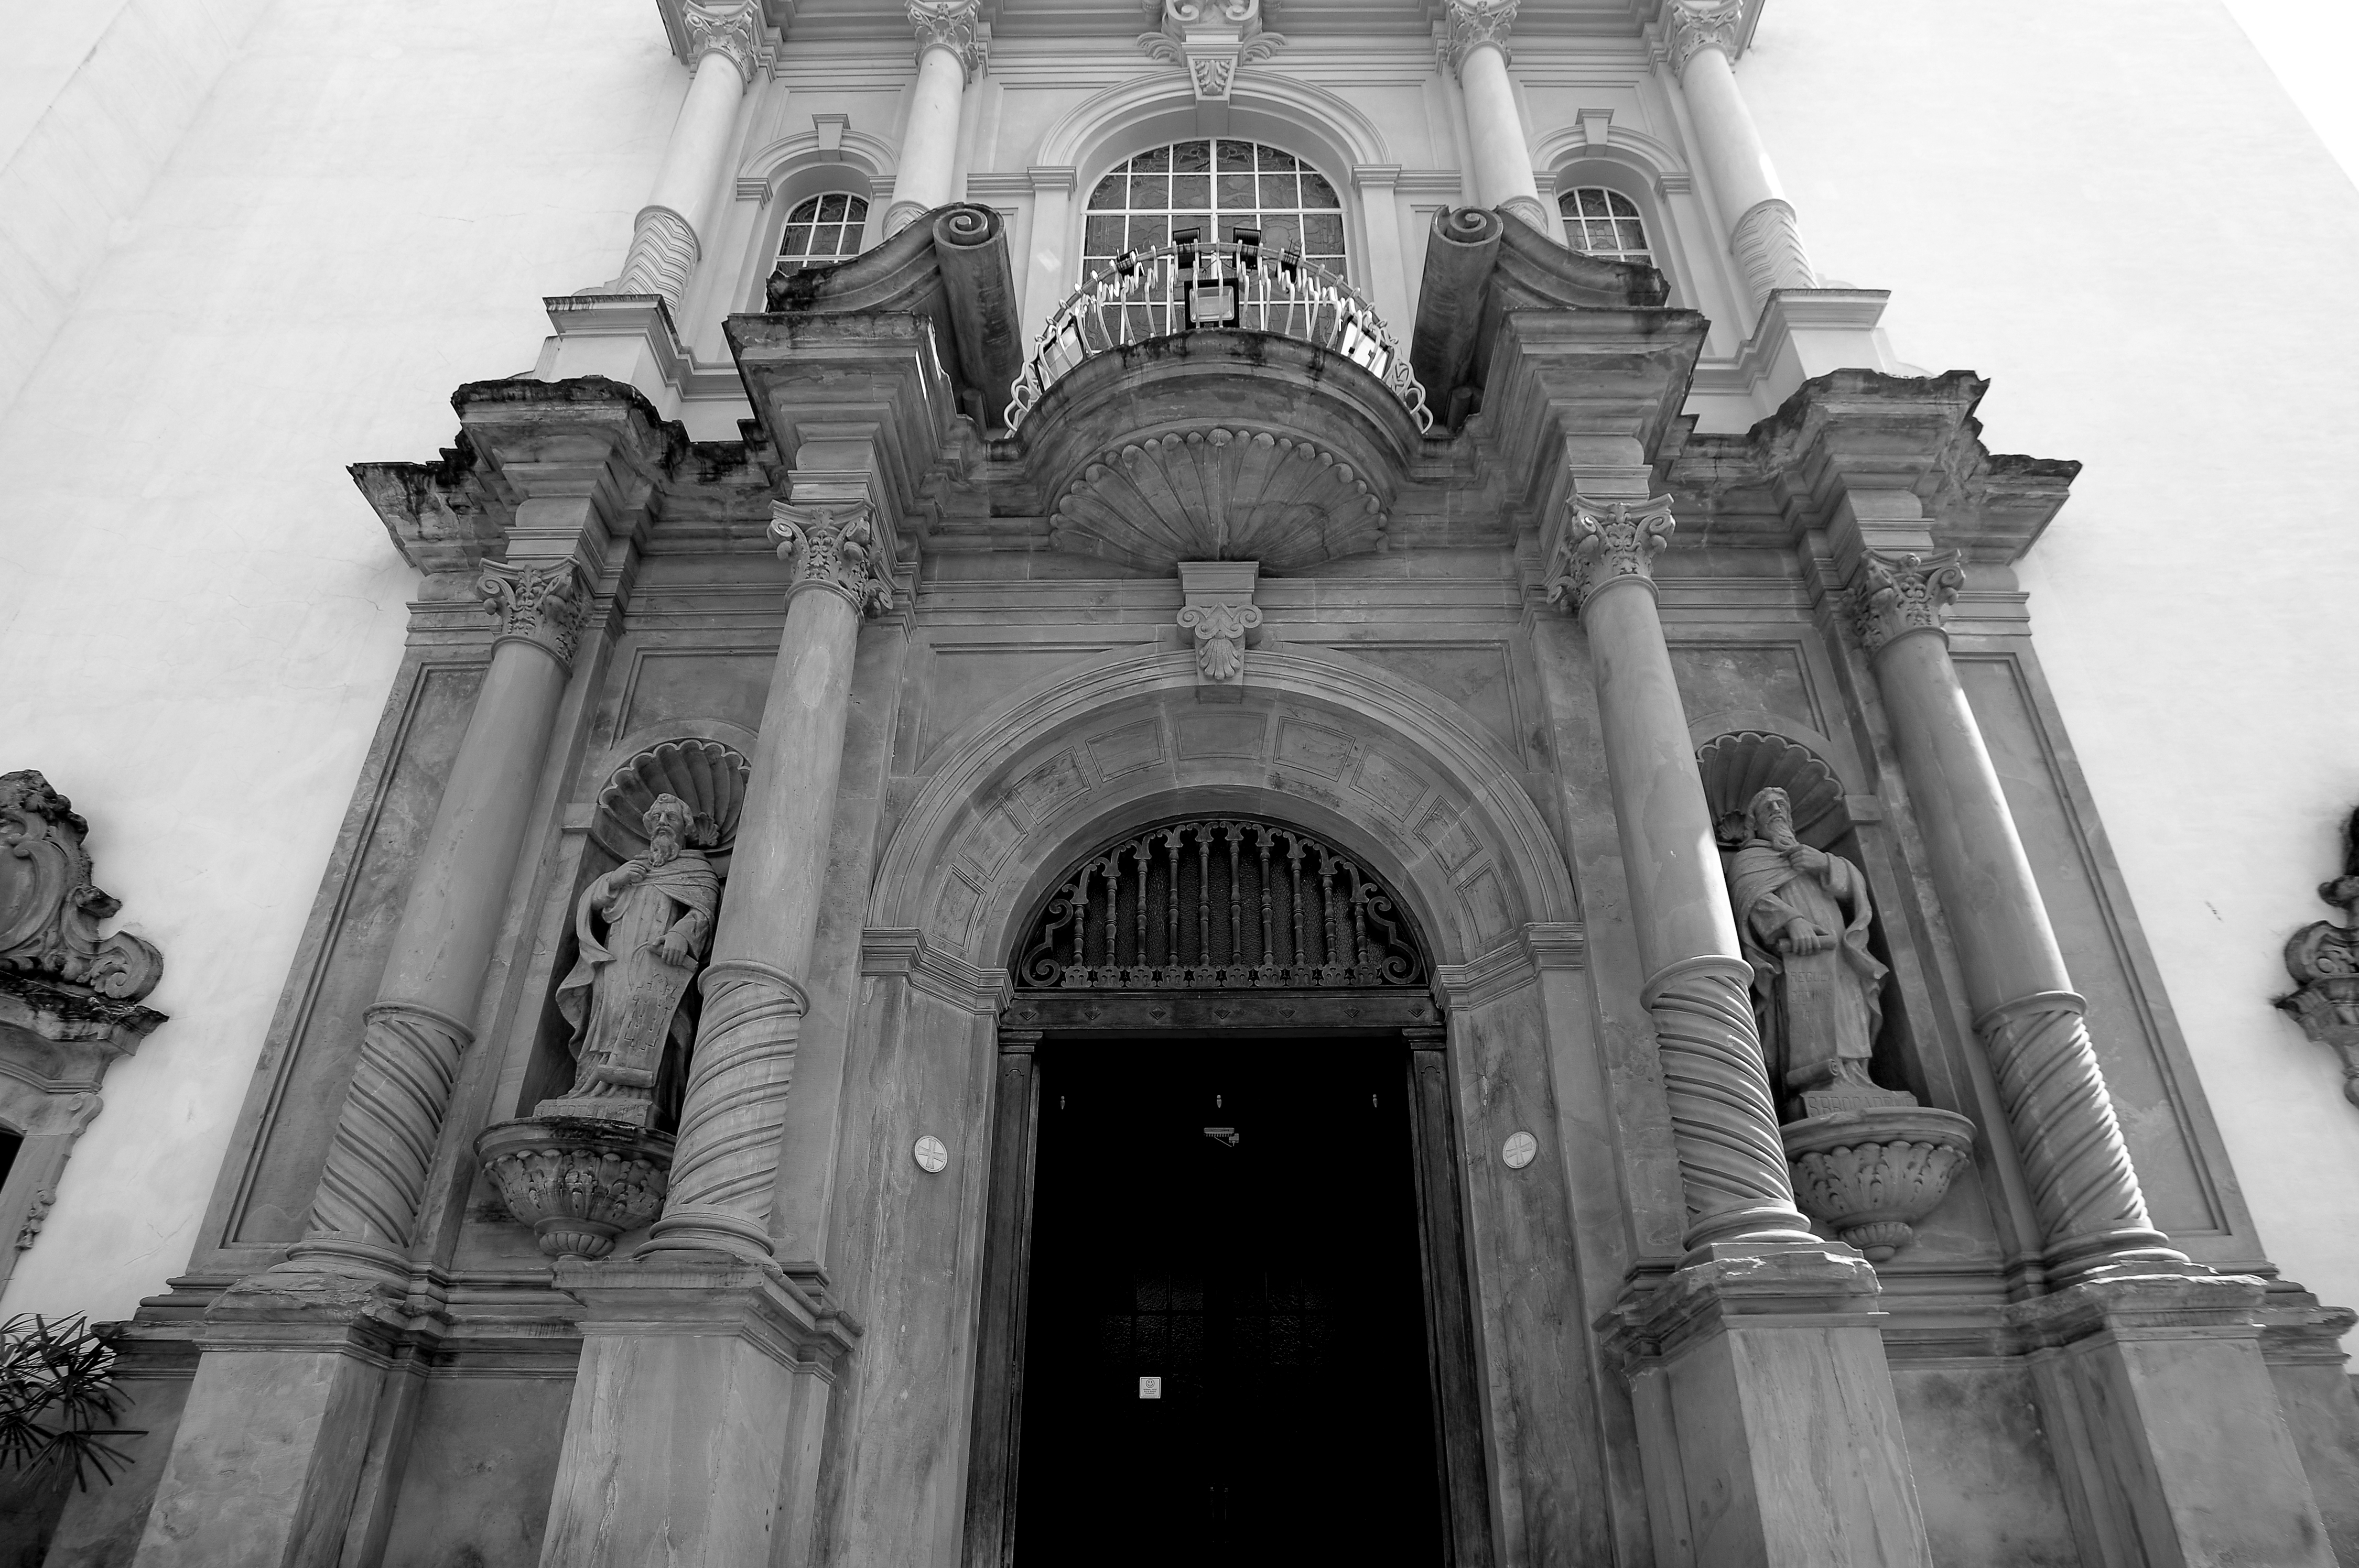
(1327, 902)
(1236, 900)
(1172, 896)
(1268, 956)
(1294, 864)
(1145, 853)
(1204, 899)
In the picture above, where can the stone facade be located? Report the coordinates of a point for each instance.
(883, 596)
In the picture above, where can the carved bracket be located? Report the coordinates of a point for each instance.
(1213, 38)
(2323, 960)
(1221, 615)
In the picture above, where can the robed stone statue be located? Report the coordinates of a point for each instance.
(643, 929)
(1803, 915)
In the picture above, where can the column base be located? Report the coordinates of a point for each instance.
(271, 1449)
(2172, 1447)
(698, 1415)
(1768, 1425)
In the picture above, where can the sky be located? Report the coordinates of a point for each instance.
(2310, 44)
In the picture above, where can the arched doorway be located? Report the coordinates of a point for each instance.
(1226, 1312)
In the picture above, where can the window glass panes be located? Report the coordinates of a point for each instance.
(823, 231)
(1604, 223)
(1215, 187)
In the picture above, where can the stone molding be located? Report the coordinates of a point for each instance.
(733, 30)
(833, 547)
(1767, 243)
(544, 606)
(1487, 977)
(1817, 1285)
(903, 952)
(1697, 28)
(1898, 594)
(663, 255)
(1606, 543)
(2323, 960)
(1475, 23)
(951, 25)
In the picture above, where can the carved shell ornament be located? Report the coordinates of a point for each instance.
(707, 774)
(50, 906)
(1220, 495)
(1736, 767)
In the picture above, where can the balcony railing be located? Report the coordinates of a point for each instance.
(1234, 284)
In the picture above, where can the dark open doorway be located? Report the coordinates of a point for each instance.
(1238, 1223)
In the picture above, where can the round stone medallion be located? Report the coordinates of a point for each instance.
(932, 1153)
(1519, 1149)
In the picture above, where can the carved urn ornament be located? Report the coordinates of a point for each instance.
(1869, 1163)
(2323, 960)
(591, 1163)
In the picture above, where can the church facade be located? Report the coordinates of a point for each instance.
(1226, 782)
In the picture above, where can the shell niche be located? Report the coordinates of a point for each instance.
(1220, 495)
(707, 774)
(1739, 766)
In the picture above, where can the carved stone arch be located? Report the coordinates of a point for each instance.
(1639, 167)
(1656, 162)
(1382, 768)
(794, 168)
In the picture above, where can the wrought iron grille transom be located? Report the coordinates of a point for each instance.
(1220, 903)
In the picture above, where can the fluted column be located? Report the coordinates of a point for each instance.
(1477, 52)
(367, 1206)
(668, 237)
(2083, 1188)
(742, 1065)
(1762, 230)
(950, 49)
(1724, 1124)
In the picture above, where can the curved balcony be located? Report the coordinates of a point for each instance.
(1231, 284)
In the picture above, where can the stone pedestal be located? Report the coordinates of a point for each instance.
(272, 1443)
(693, 1439)
(1766, 1414)
(2166, 1426)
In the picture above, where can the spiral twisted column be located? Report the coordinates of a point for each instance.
(724, 45)
(366, 1209)
(1704, 37)
(2084, 1189)
(741, 1069)
(1723, 1125)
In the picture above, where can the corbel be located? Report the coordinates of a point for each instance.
(1218, 613)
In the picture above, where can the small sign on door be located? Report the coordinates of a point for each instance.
(1150, 1388)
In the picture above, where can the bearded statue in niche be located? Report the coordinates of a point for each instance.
(1802, 915)
(643, 929)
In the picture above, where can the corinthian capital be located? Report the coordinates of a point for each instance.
(1899, 594)
(1706, 25)
(732, 28)
(1605, 543)
(540, 605)
(1474, 22)
(833, 547)
(949, 25)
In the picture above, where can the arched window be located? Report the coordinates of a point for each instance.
(822, 232)
(1215, 188)
(1605, 224)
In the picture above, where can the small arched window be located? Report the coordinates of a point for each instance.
(822, 232)
(1605, 224)
(1215, 187)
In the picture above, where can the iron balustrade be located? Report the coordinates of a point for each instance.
(1234, 284)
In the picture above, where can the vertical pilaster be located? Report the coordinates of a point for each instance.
(991, 1498)
(1449, 1348)
(951, 49)
(1477, 52)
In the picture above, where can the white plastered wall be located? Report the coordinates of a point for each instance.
(2115, 213)
(201, 615)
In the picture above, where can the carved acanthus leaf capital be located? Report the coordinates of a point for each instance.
(1605, 543)
(541, 605)
(732, 28)
(1220, 631)
(1703, 27)
(51, 909)
(1474, 22)
(949, 24)
(833, 547)
(1899, 594)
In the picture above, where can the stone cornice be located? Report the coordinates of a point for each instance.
(903, 952)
